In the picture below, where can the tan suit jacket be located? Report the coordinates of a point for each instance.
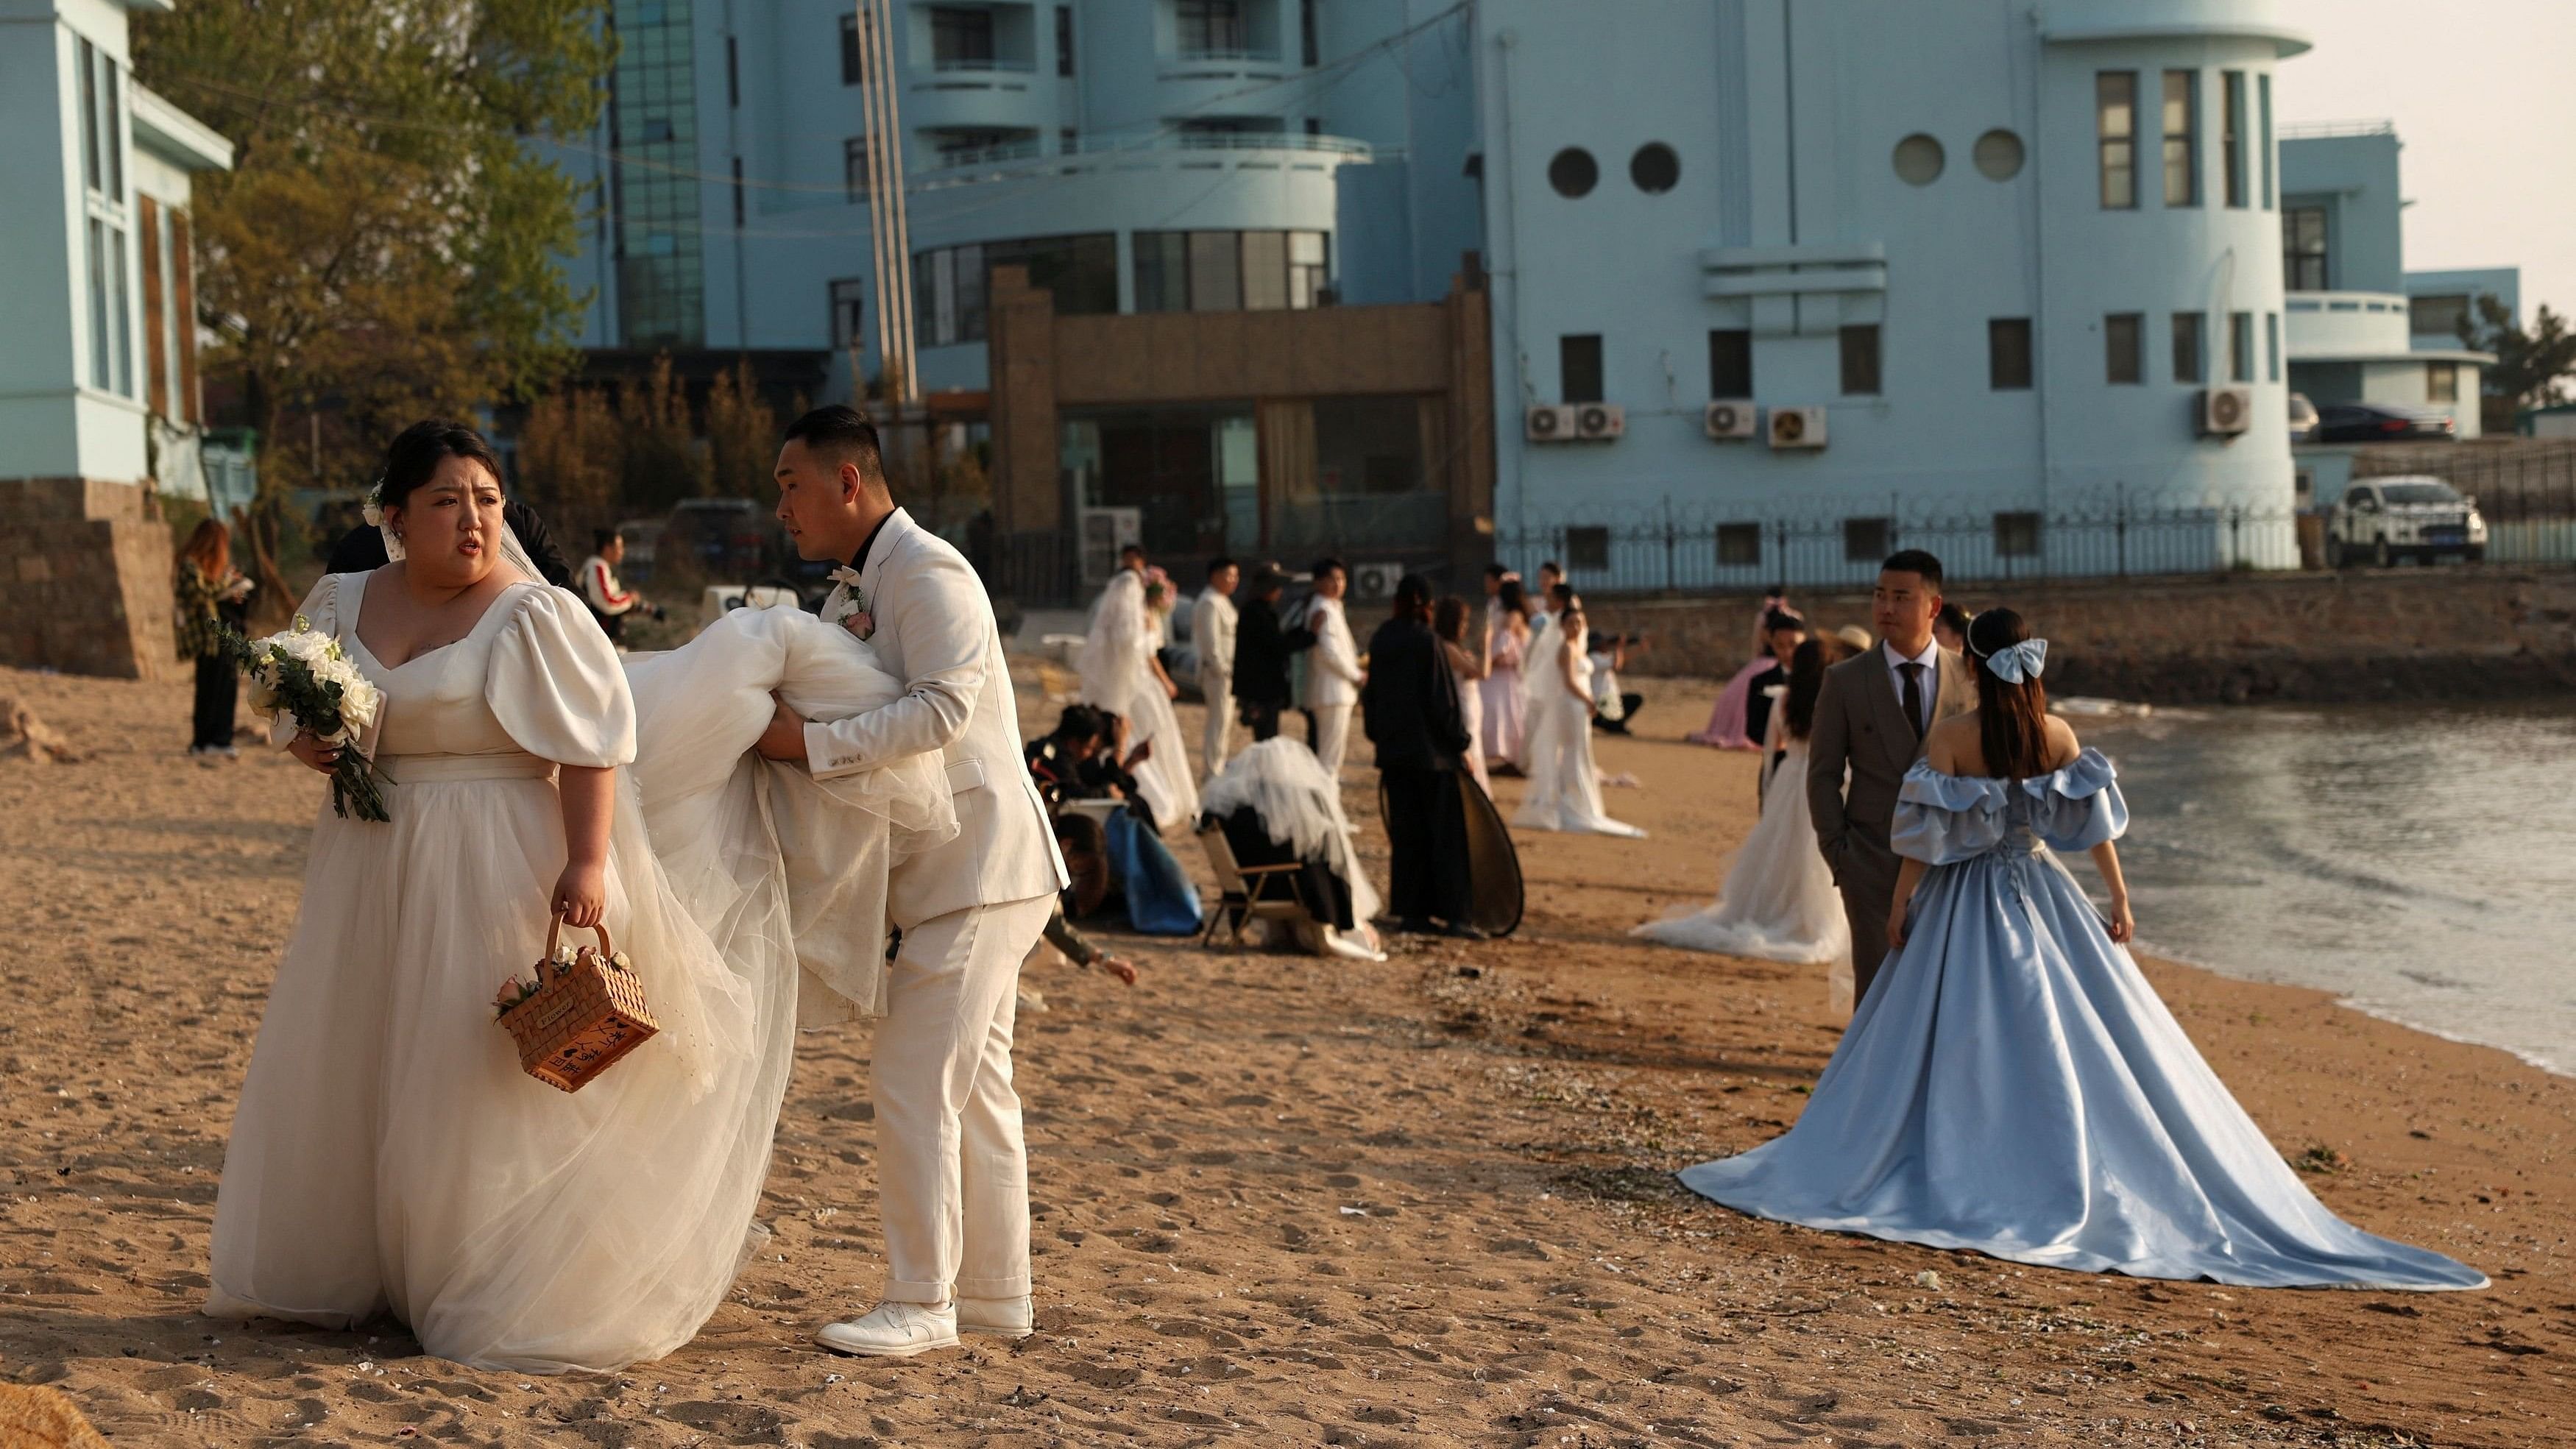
(1861, 726)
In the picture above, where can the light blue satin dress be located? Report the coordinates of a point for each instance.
(2013, 1086)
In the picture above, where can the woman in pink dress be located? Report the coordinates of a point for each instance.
(1728, 725)
(1506, 639)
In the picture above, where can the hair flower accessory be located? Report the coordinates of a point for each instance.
(373, 510)
(2019, 663)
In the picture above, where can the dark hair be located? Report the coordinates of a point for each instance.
(601, 538)
(1552, 566)
(1079, 722)
(1413, 597)
(1449, 620)
(845, 431)
(1218, 565)
(1954, 616)
(1775, 620)
(2012, 719)
(1495, 571)
(1562, 593)
(1137, 549)
(1325, 566)
(1807, 665)
(1514, 597)
(412, 458)
(1913, 561)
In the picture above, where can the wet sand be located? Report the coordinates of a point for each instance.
(1280, 1200)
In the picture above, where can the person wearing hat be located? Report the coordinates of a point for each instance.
(1262, 647)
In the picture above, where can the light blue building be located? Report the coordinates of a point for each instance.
(2437, 301)
(1136, 155)
(1977, 276)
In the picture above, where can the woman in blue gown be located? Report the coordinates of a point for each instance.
(2012, 1085)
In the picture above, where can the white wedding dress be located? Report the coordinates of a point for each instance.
(1564, 785)
(1778, 902)
(388, 1154)
(1117, 669)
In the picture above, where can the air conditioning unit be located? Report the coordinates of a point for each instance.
(1549, 423)
(1732, 418)
(1373, 581)
(1797, 427)
(2225, 411)
(1600, 420)
(1104, 531)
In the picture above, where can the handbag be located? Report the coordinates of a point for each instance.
(585, 1011)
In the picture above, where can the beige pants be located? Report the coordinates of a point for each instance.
(953, 1168)
(1214, 744)
(1332, 736)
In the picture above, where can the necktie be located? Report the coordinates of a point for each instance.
(1914, 697)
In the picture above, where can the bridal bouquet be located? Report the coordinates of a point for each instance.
(305, 674)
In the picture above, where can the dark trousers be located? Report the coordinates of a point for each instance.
(1426, 837)
(218, 688)
(1628, 707)
(1261, 719)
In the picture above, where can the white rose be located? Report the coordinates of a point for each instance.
(310, 647)
(359, 701)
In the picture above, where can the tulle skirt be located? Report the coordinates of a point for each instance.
(1779, 901)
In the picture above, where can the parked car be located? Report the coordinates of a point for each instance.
(2381, 520)
(2383, 423)
(2303, 419)
(726, 538)
(643, 544)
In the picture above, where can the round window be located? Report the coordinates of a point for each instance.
(1573, 172)
(1918, 160)
(1998, 155)
(1655, 168)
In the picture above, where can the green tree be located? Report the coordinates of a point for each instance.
(2531, 367)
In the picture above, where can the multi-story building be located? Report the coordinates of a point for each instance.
(1870, 272)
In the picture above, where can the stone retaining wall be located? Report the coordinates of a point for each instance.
(2429, 634)
(85, 579)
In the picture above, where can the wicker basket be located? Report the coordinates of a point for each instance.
(581, 1018)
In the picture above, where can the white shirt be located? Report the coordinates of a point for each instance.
(1212, 634)
(1930, 659)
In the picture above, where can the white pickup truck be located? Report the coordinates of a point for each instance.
(2381, 520)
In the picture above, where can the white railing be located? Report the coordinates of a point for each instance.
(1034, 150)
(2326, 130)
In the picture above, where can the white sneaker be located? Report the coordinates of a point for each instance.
(893, 1330)
(1012, 1318)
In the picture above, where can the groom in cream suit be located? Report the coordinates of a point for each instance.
(1871, 716)
(953, 1168)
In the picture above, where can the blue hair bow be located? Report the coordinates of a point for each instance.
(2019, 663)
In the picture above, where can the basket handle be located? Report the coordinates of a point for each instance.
(554, 933)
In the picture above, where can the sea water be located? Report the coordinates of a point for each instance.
(2418, 861)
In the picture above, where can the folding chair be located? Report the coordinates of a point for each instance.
(1243, 890)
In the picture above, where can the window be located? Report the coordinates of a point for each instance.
(737, 193)
(961, 39)
(2115, 127)
(1918, 160)
(2438, 315)
(851, 70)
(1309, 45)
(657, 129)
(2123, 335)
(657, 201)
(111, 351)
(1868, 540)
(733, 74)
(2017, 535)
(951, 285)
(2182, 137)
(2442, 382)
(1730, 363)
(2263, 93)
(1227, 271)
(102, 124)
(2303, 249)
(2272, 346)
(849, 310)
(1739, 545)
(1655, 168)
(1068, 141)
(2240, 347)
(1064, 40)
(854, 168)
(2008, 354)
(2231, 133)
(1573, 172)
(1860, 360)
(1587, 548)
(1578, 368)
(1212, 27)
(1998, 155)
(2189, 350)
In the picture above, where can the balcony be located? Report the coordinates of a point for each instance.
(1151, 151)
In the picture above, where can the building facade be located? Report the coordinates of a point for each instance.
(2045, 283)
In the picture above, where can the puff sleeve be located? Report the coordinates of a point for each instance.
(556, 684)
(320, 612)
(1945, 818)
(2080, 806)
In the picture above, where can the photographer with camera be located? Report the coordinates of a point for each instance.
(1612, 710)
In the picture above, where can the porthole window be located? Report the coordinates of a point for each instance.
(1655, 168)
(1918, 160)
(1998, 155)
(1573, 172)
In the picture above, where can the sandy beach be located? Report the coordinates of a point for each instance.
(1280, 1200)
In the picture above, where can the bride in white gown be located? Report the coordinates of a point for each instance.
(1779, 901)
(388, 1155)
(1564, 786)
(1121, 674)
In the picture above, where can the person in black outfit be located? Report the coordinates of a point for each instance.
(1409, 705)
(1782, 632)
(1261, 650)
(363, 547)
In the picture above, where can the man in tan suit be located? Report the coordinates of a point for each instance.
(1871, 717)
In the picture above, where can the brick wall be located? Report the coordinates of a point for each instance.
(85, 579)
(2444, 633)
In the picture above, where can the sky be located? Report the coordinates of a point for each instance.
(2484, 96)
